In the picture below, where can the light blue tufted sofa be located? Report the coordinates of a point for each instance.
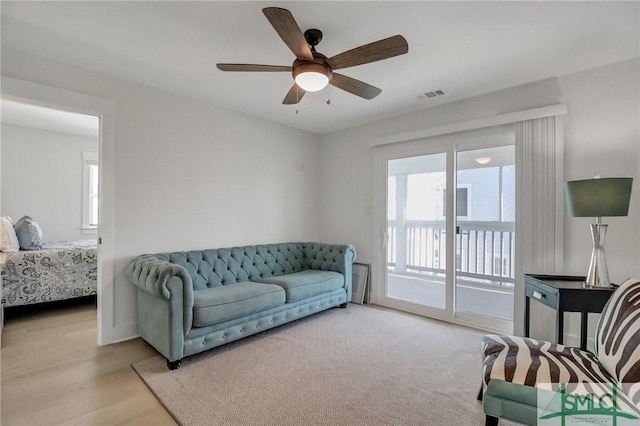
(189, 302)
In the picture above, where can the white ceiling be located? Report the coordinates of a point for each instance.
(462, 48)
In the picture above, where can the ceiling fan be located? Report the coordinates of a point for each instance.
(312, 70)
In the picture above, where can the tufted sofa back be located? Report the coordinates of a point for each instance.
(216, 267)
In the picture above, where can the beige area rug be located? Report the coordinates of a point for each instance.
(356, 366)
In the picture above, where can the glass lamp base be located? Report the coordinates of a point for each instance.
(598, 275)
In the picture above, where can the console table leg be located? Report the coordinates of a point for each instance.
(527, 322)
(584, 321)
(560, 322)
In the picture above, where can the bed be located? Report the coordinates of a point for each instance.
(59, 271)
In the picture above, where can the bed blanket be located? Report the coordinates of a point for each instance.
(61, 270)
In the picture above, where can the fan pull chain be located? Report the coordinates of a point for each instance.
(297, 100)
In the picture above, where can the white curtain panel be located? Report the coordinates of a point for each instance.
(537, 183)
(539, 199)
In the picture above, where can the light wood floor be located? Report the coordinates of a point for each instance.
(53, 373)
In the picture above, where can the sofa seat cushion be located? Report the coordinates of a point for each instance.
(218, 304)
(304, 284)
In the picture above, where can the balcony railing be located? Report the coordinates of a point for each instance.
(484, 250)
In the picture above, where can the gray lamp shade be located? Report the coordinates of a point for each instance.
(599, 197)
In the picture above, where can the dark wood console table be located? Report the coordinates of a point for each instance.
(564, 294)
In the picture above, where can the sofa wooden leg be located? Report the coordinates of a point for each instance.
(344, 305)
(491, 421)
(174, 365)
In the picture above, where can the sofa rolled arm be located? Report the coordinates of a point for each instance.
(333, 257)
(330, 257)
(346, 258)
(350, 254)
(152, 274)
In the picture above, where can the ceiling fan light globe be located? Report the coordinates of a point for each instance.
(311, 76)
(312, 81)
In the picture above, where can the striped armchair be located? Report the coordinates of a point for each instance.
(523, 375)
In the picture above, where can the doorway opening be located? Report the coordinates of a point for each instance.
(49, 179)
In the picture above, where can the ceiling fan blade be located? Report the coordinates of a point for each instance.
(287, 28)
(357, 87)
(376, 51)
(252, 67)
(294, 95)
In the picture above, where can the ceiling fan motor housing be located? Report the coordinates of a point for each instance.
(318, 65)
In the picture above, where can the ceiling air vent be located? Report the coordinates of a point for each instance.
(434, 94)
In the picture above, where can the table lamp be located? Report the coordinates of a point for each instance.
(596, 198)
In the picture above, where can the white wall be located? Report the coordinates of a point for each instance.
(42, 177)
(189, 175)
(602, 136)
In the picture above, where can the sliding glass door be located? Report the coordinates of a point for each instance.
(449, 235)
(485, 233)
(417, 247)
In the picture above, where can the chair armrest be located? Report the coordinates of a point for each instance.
(152, 274)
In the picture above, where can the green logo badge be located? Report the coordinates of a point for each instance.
(603, 407)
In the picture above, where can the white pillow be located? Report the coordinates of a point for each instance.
(29, 233)
(8, 239)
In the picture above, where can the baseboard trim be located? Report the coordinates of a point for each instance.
(119, 333)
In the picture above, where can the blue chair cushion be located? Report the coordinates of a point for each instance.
(219, 304)
(304, 284)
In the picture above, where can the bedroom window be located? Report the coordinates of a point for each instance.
(90, 193)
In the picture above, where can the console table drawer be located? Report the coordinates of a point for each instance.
(542, 294)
